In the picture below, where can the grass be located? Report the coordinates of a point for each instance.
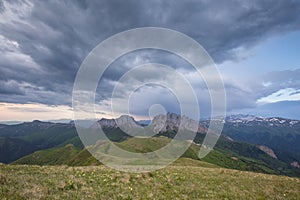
(67, 155)
(173, 182)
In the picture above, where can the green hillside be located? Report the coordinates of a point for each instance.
(67, 155)
(284, 140)
(19, 140)
(173, 182)
(70, 155)
(235, 156)
(53, 156)
(23, 139)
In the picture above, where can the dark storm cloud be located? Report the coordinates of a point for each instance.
(9, 88)
(1, 6)
(44, 42)
(223, 26)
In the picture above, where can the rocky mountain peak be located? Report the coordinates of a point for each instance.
(160, 123)
(123, 120)
(172, 121)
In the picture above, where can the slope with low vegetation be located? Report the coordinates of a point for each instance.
(173, 182)
(226, 154)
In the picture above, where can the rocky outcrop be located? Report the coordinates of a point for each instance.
(122, 121)
(172, 121)
(295, 164)
(126, 123)
(268, 151)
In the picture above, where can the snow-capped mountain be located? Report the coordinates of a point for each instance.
(252, 120)
(280, 134)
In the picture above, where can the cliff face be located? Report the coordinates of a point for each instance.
(268, 151)
(126, 123)
(172, 121)
(123, 120)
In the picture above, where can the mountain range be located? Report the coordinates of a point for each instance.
(247, 142)
(280, 134)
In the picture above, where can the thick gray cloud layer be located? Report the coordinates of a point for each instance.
(42, 43)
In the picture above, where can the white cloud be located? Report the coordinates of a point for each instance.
(287, 94)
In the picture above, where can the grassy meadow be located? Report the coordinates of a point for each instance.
(197, 181)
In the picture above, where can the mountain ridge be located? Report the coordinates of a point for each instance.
(160, 123)
(229, 118)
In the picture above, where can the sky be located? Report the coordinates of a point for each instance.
(254, 44)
